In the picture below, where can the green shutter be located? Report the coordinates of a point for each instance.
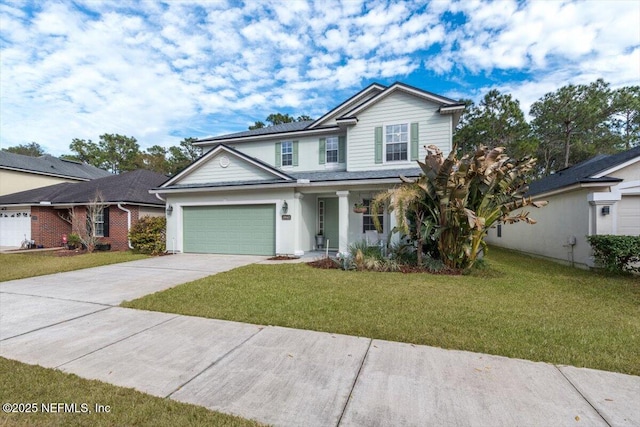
(295, 153)
(341, 149)
(322, 151)
(414, 141)
(278, 155)
(378, 144)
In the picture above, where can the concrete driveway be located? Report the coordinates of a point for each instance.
(285, 376)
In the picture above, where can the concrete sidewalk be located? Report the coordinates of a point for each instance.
(285, 376)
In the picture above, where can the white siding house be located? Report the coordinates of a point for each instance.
(598, 196)
(273, 190)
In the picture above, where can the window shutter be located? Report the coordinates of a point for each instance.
(278, 155)
(295, 153)
(322, 151)
(414, 142)
(341, 149)
(378, 144)
(105, 216)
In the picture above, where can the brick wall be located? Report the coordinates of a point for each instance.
(48, 228)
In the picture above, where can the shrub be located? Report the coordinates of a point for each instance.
(148, 236)
(616, 253)
(74, 241)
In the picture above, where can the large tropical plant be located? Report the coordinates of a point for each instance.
(456, 201)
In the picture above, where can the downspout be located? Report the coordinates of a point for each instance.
(128, 223)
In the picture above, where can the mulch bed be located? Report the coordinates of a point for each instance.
(324, 263)
(328, 263)
(282, 258)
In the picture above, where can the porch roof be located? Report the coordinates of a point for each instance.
(301, 179)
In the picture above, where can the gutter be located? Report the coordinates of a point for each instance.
(128, 223)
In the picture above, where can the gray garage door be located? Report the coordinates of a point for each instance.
(243, 229)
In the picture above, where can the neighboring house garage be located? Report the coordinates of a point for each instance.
(15, 226)
(230, 229)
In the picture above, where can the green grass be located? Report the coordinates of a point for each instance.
(23, 383)
(520, 307)
(19, 266)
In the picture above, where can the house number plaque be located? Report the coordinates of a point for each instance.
(286, 217)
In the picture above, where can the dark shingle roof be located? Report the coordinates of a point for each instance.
(50, 165)
(284, 127)
(130, 187)
(583, 172)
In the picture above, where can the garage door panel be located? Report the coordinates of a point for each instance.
(241, 229)
(629, 216)
(15, 226)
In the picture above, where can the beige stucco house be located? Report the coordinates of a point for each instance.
(598, 196)
(273, 190)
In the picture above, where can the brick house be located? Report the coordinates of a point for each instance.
(45, 213)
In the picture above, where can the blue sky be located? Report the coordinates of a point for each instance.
(163, 71)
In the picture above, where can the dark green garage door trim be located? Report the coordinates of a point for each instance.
(230, 229)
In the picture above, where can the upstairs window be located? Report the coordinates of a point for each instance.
(396, 142)
(287, 153)
(332, 149)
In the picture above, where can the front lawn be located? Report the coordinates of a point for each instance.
(521, 307)
(39, 389)
(19, 266)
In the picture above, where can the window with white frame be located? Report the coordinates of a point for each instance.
(98, 223)
(287, 153)
(332, 149)
(396, 142)
(367, 217)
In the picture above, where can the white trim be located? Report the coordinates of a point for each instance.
(401, 87)
(294, 184)
(212, 153)
(178, 211)
(54, 175)
(354, 98)
(617, 167)
(573, 187)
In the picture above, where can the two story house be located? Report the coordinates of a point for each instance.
(272, 190)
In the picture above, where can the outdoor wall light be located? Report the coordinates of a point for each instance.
(605, 210)
(285, 207)
(169, 209)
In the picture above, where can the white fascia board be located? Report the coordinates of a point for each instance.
(212, 153)
(293, 184)
(573, 187)
(270, 136)
(55, 175)
(336, 110)
(617, 167)
(397, 86)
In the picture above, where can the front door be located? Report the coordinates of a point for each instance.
(328, 220)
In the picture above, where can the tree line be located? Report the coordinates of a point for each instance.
(567, 126)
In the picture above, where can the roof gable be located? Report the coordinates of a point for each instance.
(225, 164)
(50, 165)
(130, 187)
(593, 170)
(410, 90)
(360, 97)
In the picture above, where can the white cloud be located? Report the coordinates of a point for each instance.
(152, 70)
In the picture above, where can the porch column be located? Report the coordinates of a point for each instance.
(297, 212)
(343, 221)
